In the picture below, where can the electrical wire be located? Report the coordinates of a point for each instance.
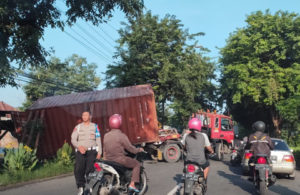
(102, 35)
(87, 47)
(94, 38)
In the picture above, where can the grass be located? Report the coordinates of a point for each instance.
(45, 170)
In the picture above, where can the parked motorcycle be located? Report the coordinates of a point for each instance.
(262, 173)
(235, 157)
(111, 178)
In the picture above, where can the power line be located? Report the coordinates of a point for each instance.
(91, 44)
(112, 27)
(102, 35)
(48, 81)
(87, 47)
(94, 38)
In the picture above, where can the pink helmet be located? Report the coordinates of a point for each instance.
(115, 121)
(195, 123)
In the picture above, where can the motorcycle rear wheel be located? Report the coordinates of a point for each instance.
(104, 190)
(262, 187)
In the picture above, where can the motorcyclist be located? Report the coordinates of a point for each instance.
(114, 145)
(195, 144)
(260, 143)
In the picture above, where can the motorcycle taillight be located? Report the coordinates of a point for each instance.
(248, 155)
(97, 167)
(261, 160)
(191, 168)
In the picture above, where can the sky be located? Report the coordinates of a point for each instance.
(216, 18)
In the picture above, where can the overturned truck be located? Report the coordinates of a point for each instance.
(53, 119)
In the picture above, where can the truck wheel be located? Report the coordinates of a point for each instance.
(171, 153)
(220, 151)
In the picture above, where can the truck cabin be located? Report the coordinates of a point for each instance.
(217, 126)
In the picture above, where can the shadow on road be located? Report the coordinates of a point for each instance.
(237, 169)
(279, 189)
(237, 180)
(178, 178)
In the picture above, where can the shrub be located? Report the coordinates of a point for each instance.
(64, 155)
(20, 159)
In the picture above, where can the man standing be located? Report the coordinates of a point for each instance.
(87, 143)
(114, 145)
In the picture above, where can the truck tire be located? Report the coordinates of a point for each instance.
(219, 151)
(171, 153)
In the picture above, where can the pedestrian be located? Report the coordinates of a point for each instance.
(87, 143)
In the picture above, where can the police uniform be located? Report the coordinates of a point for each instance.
(89, 137)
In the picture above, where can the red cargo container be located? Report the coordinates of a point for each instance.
(60, 114)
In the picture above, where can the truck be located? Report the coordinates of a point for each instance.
(51, 120)
(220, 130)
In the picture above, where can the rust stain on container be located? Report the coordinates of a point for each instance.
(61, 113)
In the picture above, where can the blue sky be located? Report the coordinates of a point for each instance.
(216, 18)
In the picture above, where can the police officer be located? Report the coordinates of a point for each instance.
(87, 143)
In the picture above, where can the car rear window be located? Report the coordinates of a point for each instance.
(280, 145)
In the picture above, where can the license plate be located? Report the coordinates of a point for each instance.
(274, 158)
(189, 175)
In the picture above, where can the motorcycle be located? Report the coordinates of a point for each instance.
(194, 182)
(262, 173)
(235, 157)
(111, 178)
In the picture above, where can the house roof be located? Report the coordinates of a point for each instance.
(6, 107)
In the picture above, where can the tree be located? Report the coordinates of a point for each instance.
(260, 67)
(23, 24)
(74, 75)
(157, 52)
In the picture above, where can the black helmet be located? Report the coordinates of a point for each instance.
(259, 126)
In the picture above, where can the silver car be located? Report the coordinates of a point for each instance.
(283, 161)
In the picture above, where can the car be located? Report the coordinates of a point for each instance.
(283, 161)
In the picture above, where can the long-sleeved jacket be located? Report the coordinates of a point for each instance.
(260, 143)
(87, 136)
(115, 143)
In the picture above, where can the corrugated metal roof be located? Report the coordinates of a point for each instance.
(6, 107)
(92, 96)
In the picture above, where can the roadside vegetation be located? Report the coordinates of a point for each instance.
(297, 155)
(21, 165)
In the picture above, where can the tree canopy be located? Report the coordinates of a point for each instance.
(72, 75)
(23, 23)
(261, 68)
(156, 51)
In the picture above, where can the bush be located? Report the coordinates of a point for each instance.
(43, 170)
(64, 155)
(20, 159)
(297, 155)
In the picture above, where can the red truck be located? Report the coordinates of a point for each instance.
(220, 131)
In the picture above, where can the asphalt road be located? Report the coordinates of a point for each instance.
(164, 178)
